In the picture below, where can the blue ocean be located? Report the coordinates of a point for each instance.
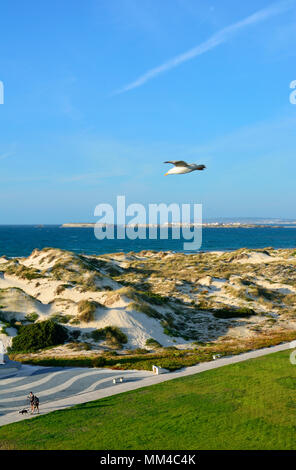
(20, 240)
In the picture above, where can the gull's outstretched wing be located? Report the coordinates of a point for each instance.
(177, 162)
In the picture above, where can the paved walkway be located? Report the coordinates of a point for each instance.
(60, 388)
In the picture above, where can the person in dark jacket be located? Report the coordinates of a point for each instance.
(31, 397)
(36, 404)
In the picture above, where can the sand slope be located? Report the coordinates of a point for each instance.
(174, 298)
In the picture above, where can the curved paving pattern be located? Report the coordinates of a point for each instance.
(59, 388)
(52, 384)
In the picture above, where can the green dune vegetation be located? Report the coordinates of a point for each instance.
(178, 308)
(249, 405)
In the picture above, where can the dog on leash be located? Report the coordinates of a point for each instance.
(24, 411)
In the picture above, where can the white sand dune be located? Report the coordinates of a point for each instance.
(54, 282)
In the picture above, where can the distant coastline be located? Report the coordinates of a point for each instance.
(171, 225)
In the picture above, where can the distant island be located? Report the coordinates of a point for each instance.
(171, 225)
(71, 225)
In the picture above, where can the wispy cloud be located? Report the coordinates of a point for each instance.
(215, 40)
(6, 155)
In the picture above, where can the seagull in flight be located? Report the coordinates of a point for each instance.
(180, 167)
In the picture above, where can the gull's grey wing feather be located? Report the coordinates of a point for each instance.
(177, 162)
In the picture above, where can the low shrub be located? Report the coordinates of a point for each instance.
(153, 298)
(229, 312)
(99, 361)
(86, 310)
(59, 318)
(32, 317)
(140, 351)
(144, 308)
(38, 336)
(77, 346)
(23, 272)
(61, 288)
(90, 283)
(153, 343)
(111, 334)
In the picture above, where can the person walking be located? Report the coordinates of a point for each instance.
(36, 404)
(31, 397)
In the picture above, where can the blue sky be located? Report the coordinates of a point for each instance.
(98, 94)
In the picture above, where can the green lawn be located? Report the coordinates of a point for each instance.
(251, 405)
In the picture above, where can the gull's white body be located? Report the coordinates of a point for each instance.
(182, 167)
(179, 170)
